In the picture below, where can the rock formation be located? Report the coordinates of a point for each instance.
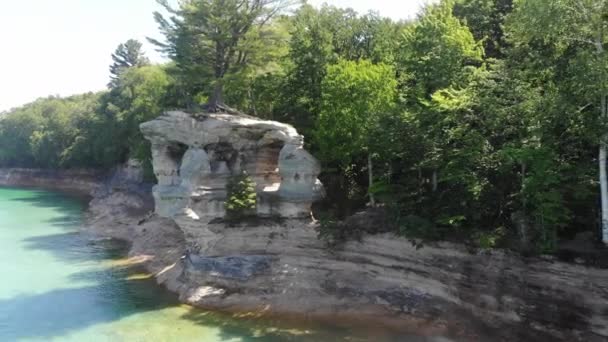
(283, 268)
(195, 156)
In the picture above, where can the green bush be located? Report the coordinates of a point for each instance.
(242, 198)
(335, 233)
(491, 239)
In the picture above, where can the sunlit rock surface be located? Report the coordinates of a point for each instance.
(194, 157)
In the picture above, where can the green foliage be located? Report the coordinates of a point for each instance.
(242, 199)
(127, 55)
(334, 232)
(211, 41)
(480, 119)
(311, 50)
(257, 88)
(485, 19)
(417, 227)
(435, 49)
(140, 96)
(489, 240)
(355, 95)
(321, 37)
(86, 131)
(41, 133)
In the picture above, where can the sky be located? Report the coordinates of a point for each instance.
(64, 47)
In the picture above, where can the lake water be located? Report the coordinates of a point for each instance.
(58, 284)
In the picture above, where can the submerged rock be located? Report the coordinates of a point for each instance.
(234, 267)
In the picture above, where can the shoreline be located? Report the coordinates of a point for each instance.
(108, 219)
(78, 182)
(162, 261)
(443, 289)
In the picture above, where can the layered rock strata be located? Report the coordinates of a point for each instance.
(194, 157)
(83, 182)
(443, 288)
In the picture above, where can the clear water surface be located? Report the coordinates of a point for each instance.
(58, 284)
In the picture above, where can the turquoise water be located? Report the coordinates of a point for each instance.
(58, 284)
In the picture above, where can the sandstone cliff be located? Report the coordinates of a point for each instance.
(281, 267)
(443, 289)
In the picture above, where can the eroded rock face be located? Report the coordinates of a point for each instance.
(130, 172)
(484, 296)
(195, 156)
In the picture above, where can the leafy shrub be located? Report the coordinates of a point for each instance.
(489, 240)
(242, 198)
(334, 232)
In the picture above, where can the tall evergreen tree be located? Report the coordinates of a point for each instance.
(485, 19)
(127, 55)
(320, 37)
(207, 39)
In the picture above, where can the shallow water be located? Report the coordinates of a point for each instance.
(59, 284)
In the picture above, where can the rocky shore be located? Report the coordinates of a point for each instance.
(281, 268)
(278, 266)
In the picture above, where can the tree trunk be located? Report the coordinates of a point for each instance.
(523, 181)
(602, 156)
(604, 179)
(217, 100)
(434, 180)
(252, 99)
(370, 173)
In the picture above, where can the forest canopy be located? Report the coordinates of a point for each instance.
(480, 119)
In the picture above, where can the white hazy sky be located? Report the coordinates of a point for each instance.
(63, 47)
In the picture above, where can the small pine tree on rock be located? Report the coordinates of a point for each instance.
(242, 198)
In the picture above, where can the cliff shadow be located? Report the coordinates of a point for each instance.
(55, 199)
(248, 327)
(233, 327)
(68, 209)
(74, 247)
(62, 311)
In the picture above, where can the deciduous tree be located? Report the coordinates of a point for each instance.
(579, 25)
(355, 96)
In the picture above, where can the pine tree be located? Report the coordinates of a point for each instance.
(207, 40)
(242, 198)
(127, 55)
